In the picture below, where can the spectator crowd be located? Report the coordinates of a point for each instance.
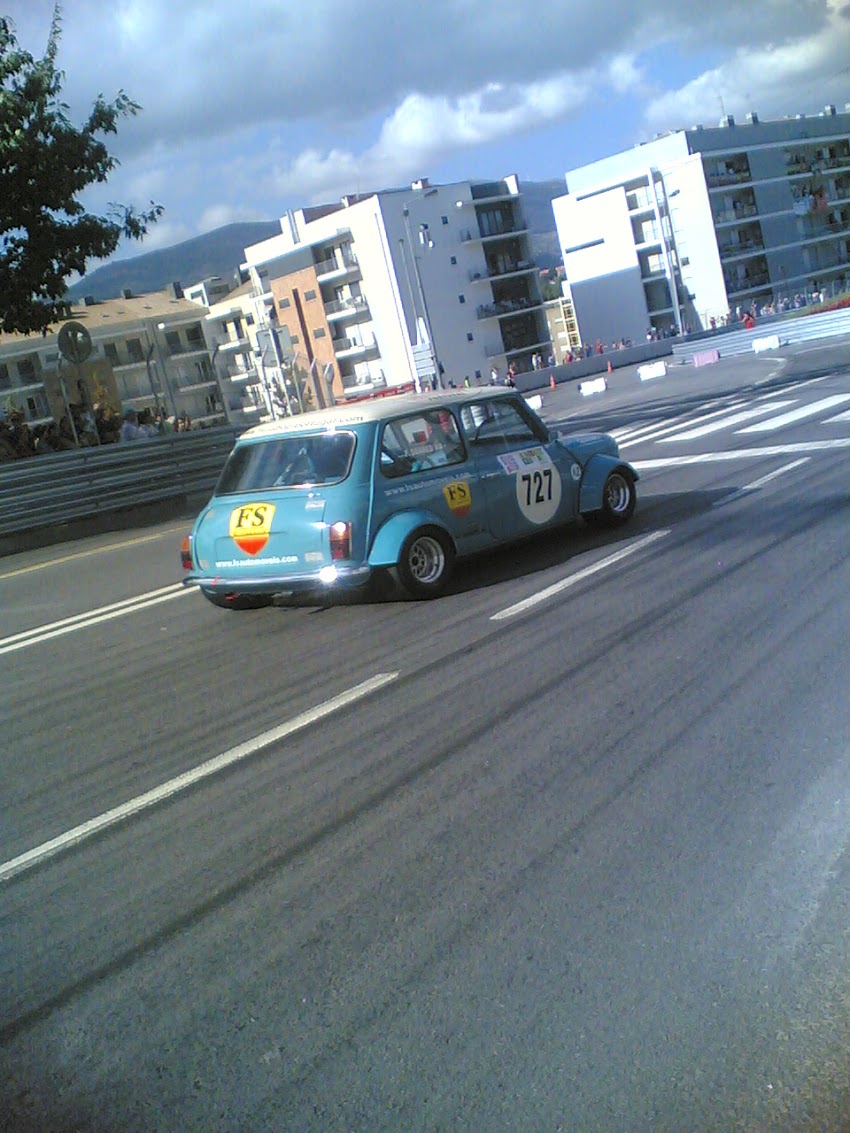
(83, 428)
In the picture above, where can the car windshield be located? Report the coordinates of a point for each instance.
(288, 462)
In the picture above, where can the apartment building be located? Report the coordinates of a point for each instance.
(148, 351)
(425, 285)
(698, 223)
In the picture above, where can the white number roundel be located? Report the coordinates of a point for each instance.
(538, 490)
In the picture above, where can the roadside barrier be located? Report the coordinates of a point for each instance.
(653, 370)
(42, 491)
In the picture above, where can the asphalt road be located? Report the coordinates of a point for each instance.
(564, 850)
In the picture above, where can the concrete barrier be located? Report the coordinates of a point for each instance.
(706, 357)
(535, 402)
(771, 342)
(653, 370)
(596, 385)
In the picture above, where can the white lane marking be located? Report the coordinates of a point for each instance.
(797, 414)
(725, 422)
(92, 617)
(845, 416)
(95, 551)
(761, 481)
(741, 454)
(180, 783)
(658, 431)
(579, 576)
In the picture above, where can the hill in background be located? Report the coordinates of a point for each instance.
(222, 251)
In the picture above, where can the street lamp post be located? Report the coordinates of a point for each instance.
(426, 241)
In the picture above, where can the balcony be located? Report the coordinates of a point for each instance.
(233, 345)
(506, 307)
(734, 216)
(748, 283)
(519, 267)
(518, 227)
(742, 248)
(337, 267)
(354, 348)
(340, 309)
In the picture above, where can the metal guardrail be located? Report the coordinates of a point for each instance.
(41, 491)
(791, 330)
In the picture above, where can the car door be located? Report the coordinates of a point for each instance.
(424, 465)
(527, 479)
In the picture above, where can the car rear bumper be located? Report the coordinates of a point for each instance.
(320, 581)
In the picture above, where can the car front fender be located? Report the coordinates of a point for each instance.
(387, 544)
(593, 478)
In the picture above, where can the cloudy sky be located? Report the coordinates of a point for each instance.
(254, 107)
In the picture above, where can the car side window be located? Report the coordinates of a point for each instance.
(499, 422)
(419, 442)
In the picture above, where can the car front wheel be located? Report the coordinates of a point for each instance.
(619, 499)
(426, 562)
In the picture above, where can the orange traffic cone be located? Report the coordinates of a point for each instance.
(551, 381)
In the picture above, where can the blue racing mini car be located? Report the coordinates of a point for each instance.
(331, 499)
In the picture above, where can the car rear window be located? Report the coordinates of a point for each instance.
(288, 462)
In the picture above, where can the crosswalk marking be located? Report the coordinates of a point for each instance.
(727, 422)
(658, 430)
(793, 415)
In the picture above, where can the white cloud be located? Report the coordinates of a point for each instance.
(254, 108)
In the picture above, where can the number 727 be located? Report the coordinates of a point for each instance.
(538, 486)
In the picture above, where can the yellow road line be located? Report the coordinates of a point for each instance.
(93, 551)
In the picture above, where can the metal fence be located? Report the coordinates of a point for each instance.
(42, 491)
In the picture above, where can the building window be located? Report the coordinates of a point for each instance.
(249, 319)
(111, 352)
(461, 298)
(195, 337)
(26, 370)
(308, 295)
(172, 341)
(282, 303)
(319, 332)
(454, 259)
(294, 339)
(469, 336)
(134, 349)
(444, 219)
(478, 375)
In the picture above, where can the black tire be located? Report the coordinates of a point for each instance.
(426, 562)
(237, 601)
(619, 498)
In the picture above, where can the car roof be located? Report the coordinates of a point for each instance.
(375, 409)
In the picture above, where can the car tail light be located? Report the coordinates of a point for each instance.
(186, 552)
(340, 536)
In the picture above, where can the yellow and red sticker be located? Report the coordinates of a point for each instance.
(458, 497)
(250, 526)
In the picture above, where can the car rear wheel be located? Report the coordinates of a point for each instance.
(426, 562)
(237, 601)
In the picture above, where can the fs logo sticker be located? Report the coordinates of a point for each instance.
(250, 526)
(458, 497)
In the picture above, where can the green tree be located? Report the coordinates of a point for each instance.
(45, 164)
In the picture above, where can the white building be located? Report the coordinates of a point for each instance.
(421, 285)
(698, 223)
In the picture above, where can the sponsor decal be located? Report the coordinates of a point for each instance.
(458, 497)
(250, 526)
